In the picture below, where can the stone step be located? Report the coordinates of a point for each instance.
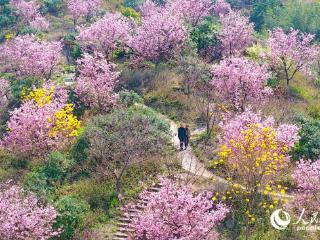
(122, 224)
(126, 230)
(125, 220)
(153, 189)
(121, 235)
(131, 215)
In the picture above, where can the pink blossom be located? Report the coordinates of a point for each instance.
(96, 82)
(22, 216)
(240, 81)
(307, 177)
(236, 34)
(175, 213)
(29, 12)
(29, 56)
(291, 52)
(221, 7)
(159, 36)
(82, 8)
(286, 134)
(107, 34)
(30, 125)
(192, 11)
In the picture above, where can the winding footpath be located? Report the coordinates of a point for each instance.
(190, 164)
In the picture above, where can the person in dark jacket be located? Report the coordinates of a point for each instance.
(182, 135)
(188, 136)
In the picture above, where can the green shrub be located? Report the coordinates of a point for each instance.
(54, 7)
(44, 179)
(79, 151)
(7, 15)
(205, 35)
(98, 194)
(37, 182)
(130, 12)
(57, 166)
(133, 3)
(128, 98)
(309, 144)
(72, 211)
(72, 46)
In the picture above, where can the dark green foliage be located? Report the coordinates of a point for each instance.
(79, 151)
(309, 144)
(72, 47)
(261, 9)
(54, 7)
(301, 15)
(44, 179)
(71, 215)
(128, 98)
(133, 3)
(205, 35)
(7, 15)
(273, 81)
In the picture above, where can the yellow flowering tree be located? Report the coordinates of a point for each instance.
(45, 122)
(255, 154)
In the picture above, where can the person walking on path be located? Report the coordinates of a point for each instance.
(188, 136)
(182, 135)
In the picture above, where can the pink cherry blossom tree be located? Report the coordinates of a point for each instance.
(42, 124)
(82, 8)
(175, 213)
(236, 33)
(22, 216)
(240, 81)
(193, 11)
(292, 52)
(96, 82)
(159, 36)
(28, 56)
(307, 177)
(221, 7)
(107, 34)
(30, 14)
(286, 134)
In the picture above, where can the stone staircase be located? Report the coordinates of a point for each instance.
(131, 211)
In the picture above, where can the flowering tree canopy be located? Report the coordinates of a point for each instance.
(175, 213)
(96, 82)
(29, 56)
(160, 35)
(30, 14)
(221, 7)
(291, 52)
(193, 11)
(236, 34)
(43, 123)
(240, 81)
(307, 177)
(23, 217)
(82, 8)
(107, 34)
(256, 153)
